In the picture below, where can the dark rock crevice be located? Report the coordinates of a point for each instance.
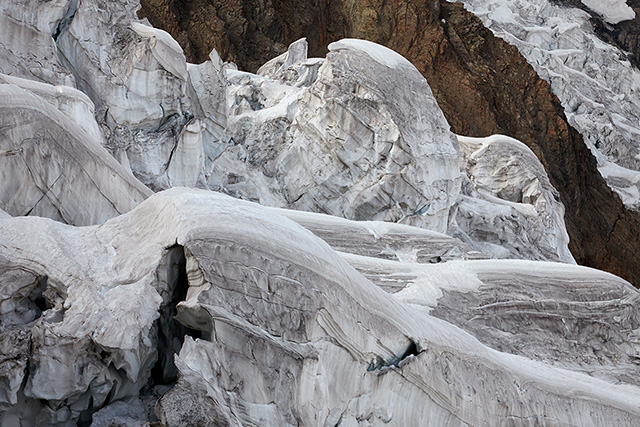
(64, 23)
(34, 298)
(168, 334)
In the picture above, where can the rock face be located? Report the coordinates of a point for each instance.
(625, 33)
(483, 86)
(247, 32)
(284, 333)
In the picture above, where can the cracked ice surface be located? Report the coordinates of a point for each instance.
(52, 162)
(290, 329)
(613, 11)
(597, 85)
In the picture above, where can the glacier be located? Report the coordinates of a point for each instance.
(612, 11)
(193, 244)
(291, 333)
(598, 86)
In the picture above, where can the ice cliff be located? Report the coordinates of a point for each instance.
(274, 327)
(483, 85)
(365, 265)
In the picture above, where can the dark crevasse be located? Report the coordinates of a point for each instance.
(171, 333)
(169, 336)
(412, 349)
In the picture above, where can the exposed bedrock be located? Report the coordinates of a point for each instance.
(483, 85)
(626, 34)
(275, 328)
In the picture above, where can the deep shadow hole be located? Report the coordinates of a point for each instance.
(171, 333)
(36, 298)
(86, 417)
(412, 350)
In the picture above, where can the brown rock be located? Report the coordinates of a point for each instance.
(247, 32)
(483, 85)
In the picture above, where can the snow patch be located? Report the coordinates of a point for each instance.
(379, 53)
(612, 11)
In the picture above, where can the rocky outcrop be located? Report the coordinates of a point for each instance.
(271, 326)
(625, 34)
(247, 32)
(602, 231)
(600, 227)
(196, 308)
(483, 86)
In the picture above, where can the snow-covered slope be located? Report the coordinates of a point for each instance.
(612, 11)
(597, 85)
(283, 331)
